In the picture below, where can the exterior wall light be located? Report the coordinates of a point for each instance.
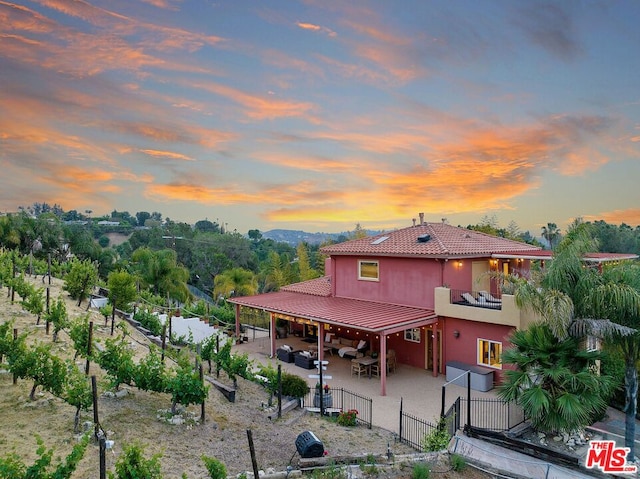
(456, 333)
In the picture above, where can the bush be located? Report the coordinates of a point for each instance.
(294, 386)
(438, 438)
(215, 468)
(421, 471)
(458, 463)
(149, 321)
(348, 418)
(132, 465)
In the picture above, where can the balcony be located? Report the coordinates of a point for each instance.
(468, 305)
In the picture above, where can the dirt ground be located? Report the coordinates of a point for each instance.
(134, 418)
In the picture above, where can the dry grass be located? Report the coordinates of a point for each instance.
(133, 418)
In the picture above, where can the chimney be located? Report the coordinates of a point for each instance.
(421, 218)
(414, 221)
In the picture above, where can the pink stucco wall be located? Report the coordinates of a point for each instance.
(409, 281)
(465, 347)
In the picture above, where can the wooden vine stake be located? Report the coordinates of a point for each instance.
(252, 450)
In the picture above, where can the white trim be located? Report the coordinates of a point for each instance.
(488, 364)
(370, 261)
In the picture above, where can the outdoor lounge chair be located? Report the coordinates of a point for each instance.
(482, 303)
(489, 297)
(285, 354)
(304, 359)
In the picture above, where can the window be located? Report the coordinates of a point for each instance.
(412, 335)
(489, 353)
(368, 270)
(591, 343)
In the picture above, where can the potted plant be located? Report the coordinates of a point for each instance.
(282, 328)
(327, 398)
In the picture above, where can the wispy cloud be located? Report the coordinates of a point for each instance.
(316, 28)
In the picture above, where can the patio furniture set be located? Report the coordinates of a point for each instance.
(370, 366)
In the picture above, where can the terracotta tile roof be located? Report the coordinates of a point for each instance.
(317, 287)
(440, 240)
(364, 315)
(603, 257)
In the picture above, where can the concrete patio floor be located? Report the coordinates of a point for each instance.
(420, 392)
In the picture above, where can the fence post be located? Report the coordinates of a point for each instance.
(400, 427)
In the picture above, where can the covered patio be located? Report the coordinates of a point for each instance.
(356, 319)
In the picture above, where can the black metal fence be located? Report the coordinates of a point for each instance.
(413, 430)
(491, 414)
(486, 413)
(341, 400)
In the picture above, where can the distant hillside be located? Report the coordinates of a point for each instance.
(293, 237)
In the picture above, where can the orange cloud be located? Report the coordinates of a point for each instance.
(259, 107)
(316, 28)
(167, 154)
(629, 216)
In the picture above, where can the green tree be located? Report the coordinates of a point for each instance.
(551, 233)
(34, 302)
(122, 289)
(77, 392)
(185, 385)
(304, 266)
(151, 373)
(160, 271)
(80, 279)
(575, 299)
(554, 381)
(57, 316)
(235, 282)
(79, 334)
(39, 364)
(117, 360)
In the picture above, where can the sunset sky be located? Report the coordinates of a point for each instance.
(320, 114)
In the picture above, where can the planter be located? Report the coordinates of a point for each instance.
(327, 397)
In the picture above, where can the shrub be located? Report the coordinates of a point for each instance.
(438, 438)
(215, 468)
(348, 418)
(293, 386)
(421, 471)
(132, 465)
(149, 321)
(458, 463)
(12, 466)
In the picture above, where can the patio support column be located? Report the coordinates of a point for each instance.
(434, 349)
(237, 310)
(272, 333)
(383, 364)
(320, 341)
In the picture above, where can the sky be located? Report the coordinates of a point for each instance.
(318, 115)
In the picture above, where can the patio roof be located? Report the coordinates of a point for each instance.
(548, 255)
(381, 318)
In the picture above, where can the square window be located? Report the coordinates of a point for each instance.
(489, 353)
(412, 335)
(368, 270)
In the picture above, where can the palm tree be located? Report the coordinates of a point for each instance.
(160, 271)
(235, 282)
(576, 300)
(554, 380)
(551, 233)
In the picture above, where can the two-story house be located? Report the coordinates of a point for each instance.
(425, 292)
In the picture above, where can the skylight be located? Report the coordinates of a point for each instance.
(380, 240)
